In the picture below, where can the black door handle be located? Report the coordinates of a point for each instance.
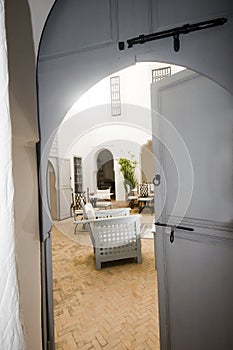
(156, 180)
(173, 227)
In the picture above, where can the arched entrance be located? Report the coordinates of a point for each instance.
(105, 171)
(69, 64)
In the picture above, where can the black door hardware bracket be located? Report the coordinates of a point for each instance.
(173, 228)
(174, 32)
(156, 180)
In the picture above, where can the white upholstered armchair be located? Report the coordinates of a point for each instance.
(114, 234)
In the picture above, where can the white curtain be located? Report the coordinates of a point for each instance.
(11, 334)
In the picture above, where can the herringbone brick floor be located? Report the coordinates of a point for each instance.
(113, 308)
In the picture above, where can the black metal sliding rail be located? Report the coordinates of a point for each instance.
(174, 32)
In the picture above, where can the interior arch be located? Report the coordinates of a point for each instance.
(72, 60)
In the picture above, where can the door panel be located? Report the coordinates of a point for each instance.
(197, 299)
(192, 127)
(196, 130)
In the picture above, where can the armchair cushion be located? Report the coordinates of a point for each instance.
(103, 194)
(89, 211)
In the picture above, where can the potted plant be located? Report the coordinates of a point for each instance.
(127, 167)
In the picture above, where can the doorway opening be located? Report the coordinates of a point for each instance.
(105, 171)
(99, 146)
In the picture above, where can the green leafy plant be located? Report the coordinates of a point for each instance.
(127, 167)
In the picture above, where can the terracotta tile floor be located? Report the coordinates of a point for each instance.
(114, 308)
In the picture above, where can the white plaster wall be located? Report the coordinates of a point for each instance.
(39, 11)
(89, 122)
(27, 240)
(134, 90)
(95, 106)
(23, 110)
(127, 141)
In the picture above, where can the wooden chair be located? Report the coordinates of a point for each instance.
(145, 198)
(76, 207)
(131, 197)
(103, 199)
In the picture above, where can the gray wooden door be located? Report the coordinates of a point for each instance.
(192, 128)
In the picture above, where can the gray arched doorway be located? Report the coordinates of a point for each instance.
(73, 57)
